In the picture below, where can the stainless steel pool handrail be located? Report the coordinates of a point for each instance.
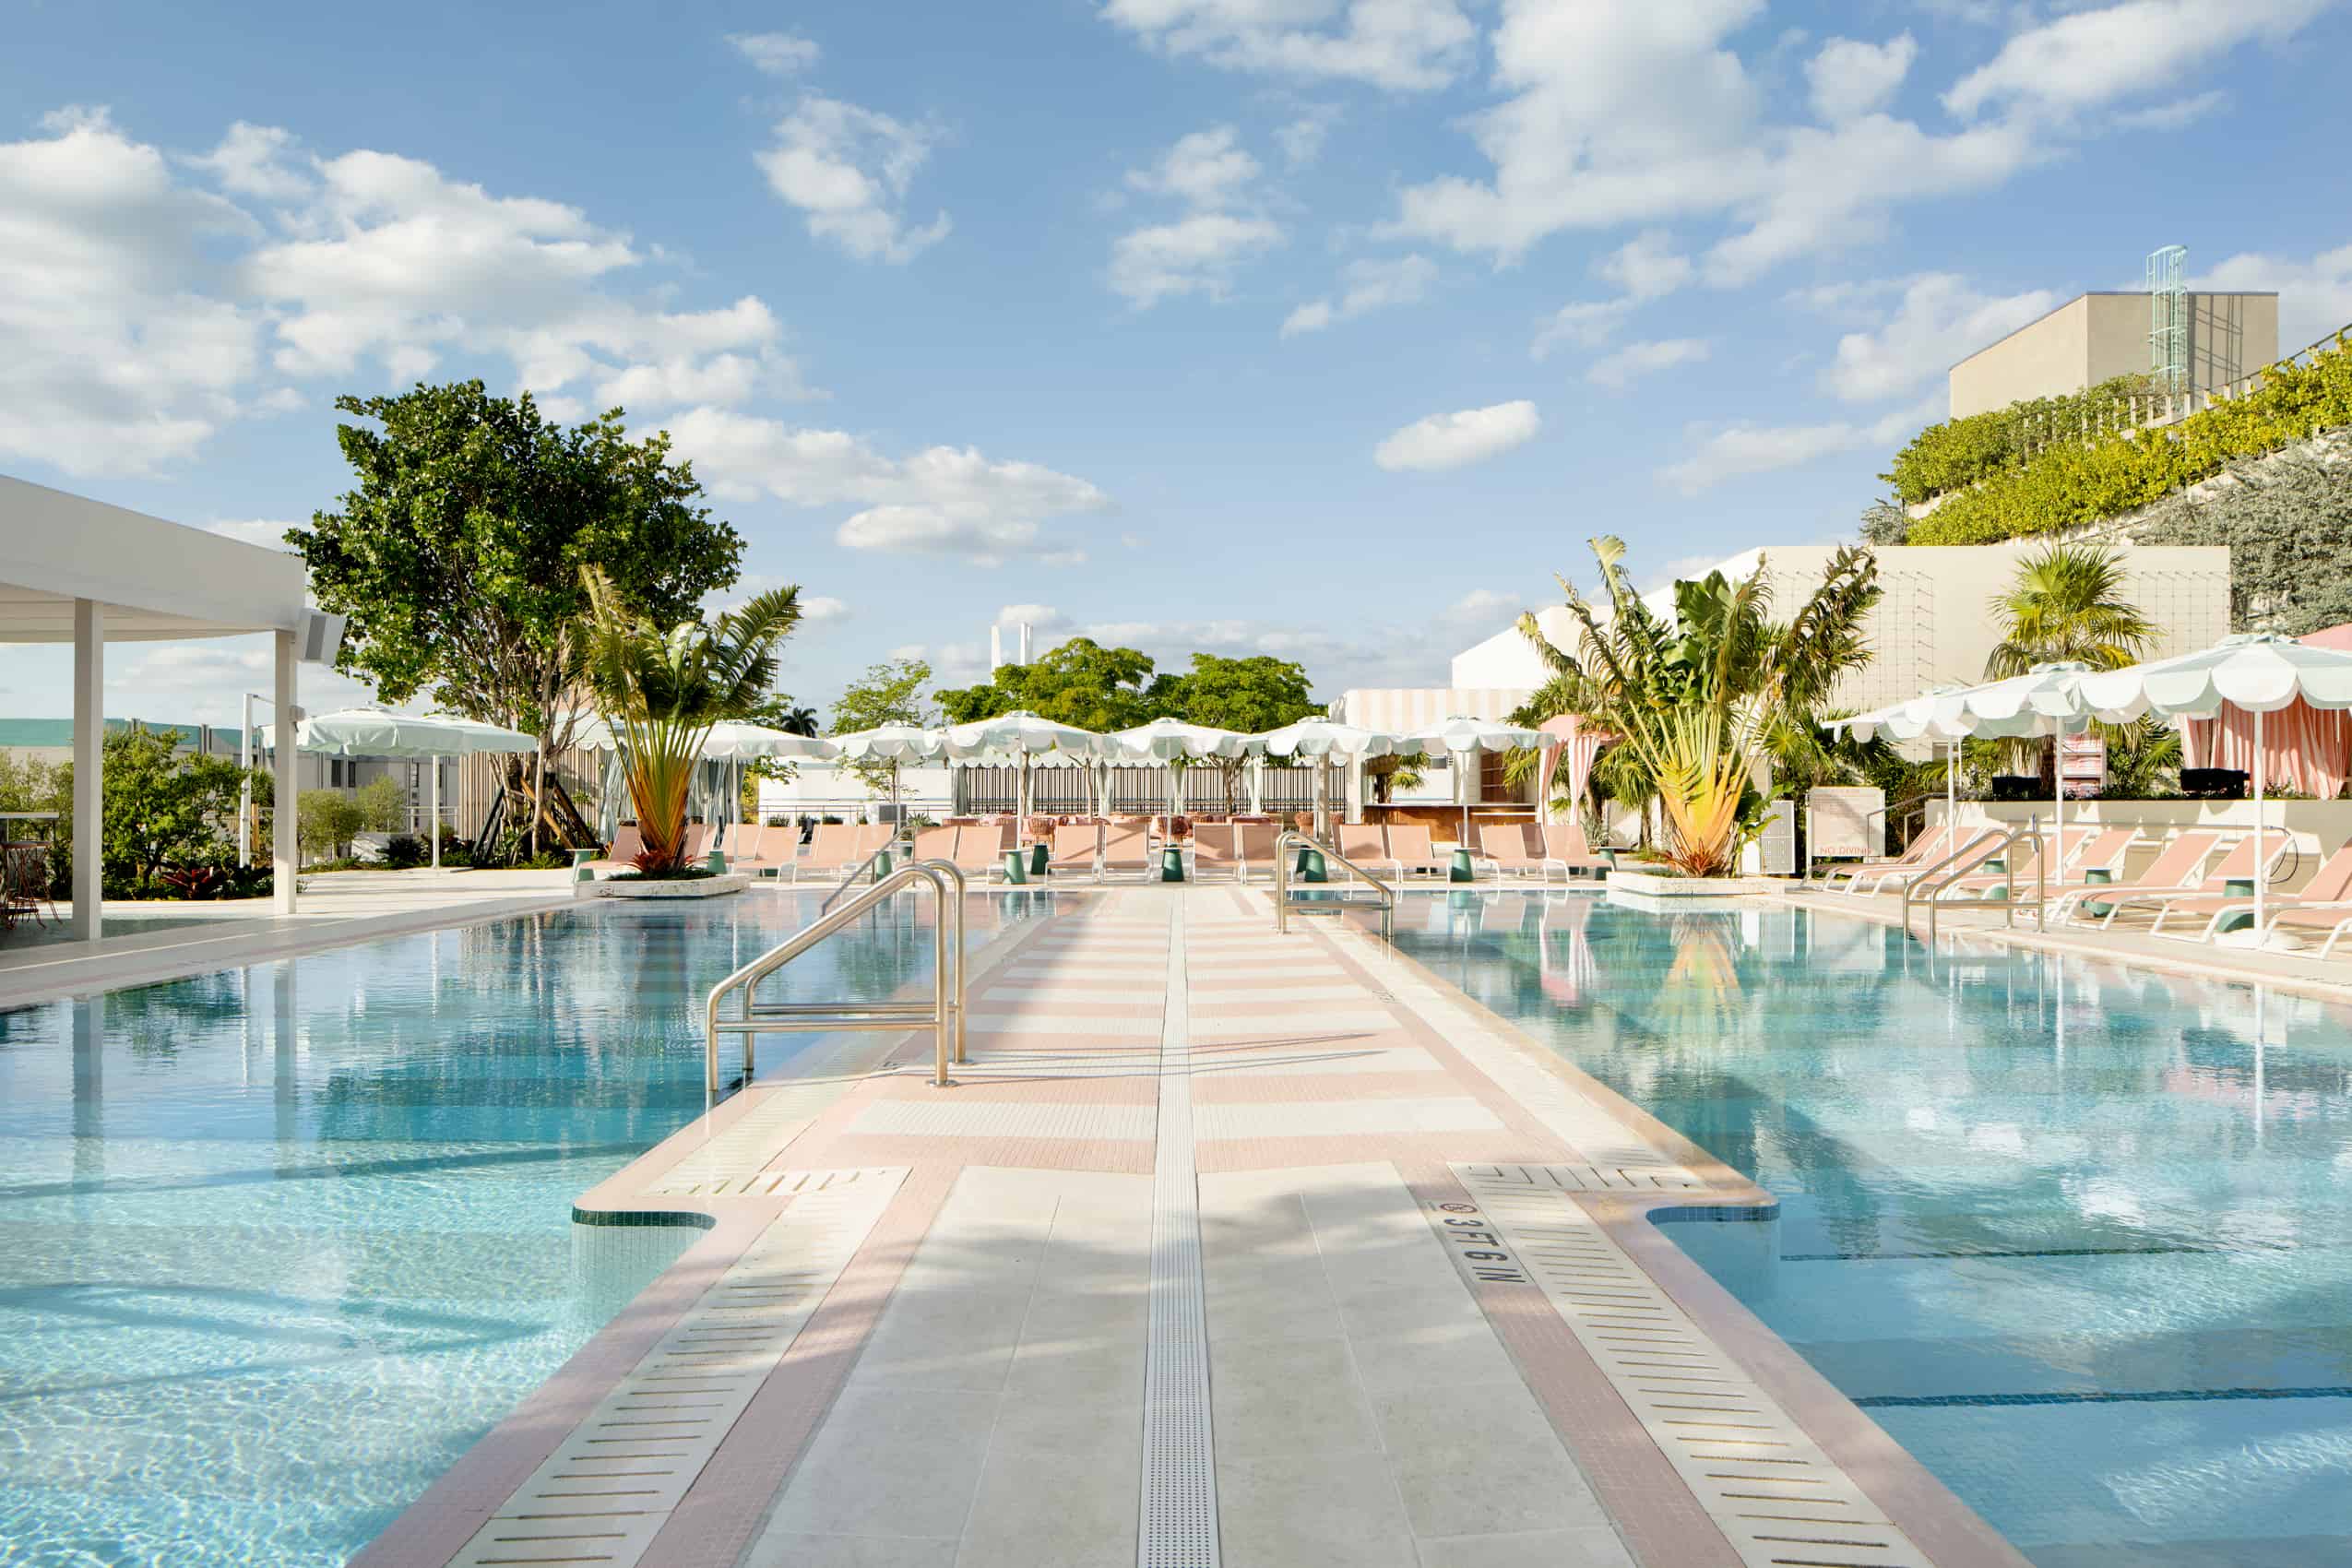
(1927, 887)
(1285, 905)
(944, 1010)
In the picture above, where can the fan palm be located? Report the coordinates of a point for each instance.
(1696, 699)
(662, 690)
(801, 721)
(2065, 603)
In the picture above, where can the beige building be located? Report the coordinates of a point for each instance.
(1934, 623)
(2094, 338)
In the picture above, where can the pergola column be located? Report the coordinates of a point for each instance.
(285, 817)
(90, 781)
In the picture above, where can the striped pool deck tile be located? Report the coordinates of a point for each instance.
(1187, 1236)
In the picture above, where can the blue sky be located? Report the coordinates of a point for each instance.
(1324, 327)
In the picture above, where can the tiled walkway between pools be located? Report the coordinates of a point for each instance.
(1226, 1248)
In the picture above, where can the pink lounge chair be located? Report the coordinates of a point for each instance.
(1969, 849)
(1125, 847)
(765, 850)
(1254, 845)
(2173, 875)
(627, 844)
(1564, 846)
(981, 847)
(1926, 850)
(1411, 850)
(1367, 844)
(2029, 853)
(832, 850)
(1215, 847)
(1077, 847)
(2324, 903)
(936, 844)
(1505, 847)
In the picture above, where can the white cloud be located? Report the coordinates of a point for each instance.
(1367, 285)
(2314, 296)
(269, 535)
(820, 607)
(942, 499)
(2089, 58)
(113, 358)
(1197, 254)
(1208, 169)
(776, 53)
(1405, 45)
(2176, 115)
(848, 169)
(1939, 321)
(1300, 140)
(255, 160)
(1646, 266)
(1742, 449)
(1635, 359)
(1482, 604)
(1585, 324)
(1451, 441)
(1622, 111)
(1851, 80)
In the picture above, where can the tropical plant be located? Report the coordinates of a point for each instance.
(457, 554)
(328, 819)
(2066, 603)
(384, 806)
(662, 689)
(2143, 759)
(888, 693)
(1695, 697)
(800, 721)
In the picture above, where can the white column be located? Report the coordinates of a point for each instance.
(285, 830)
(433, 825)
(90, 781)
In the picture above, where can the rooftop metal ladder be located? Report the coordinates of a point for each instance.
(944, 1011)
(1285, 905)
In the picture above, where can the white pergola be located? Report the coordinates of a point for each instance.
(78, 571)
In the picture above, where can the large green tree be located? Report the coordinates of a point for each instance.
(457, 554)
(1251, 694)
(1080, 683)
(888, 693)
(2288, 525)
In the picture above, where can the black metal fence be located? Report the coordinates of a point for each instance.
(1134, 791)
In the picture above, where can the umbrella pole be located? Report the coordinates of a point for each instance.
(2056, 855)
(435, 825)
(2261, 815)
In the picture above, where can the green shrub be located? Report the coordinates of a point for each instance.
(2068, 484)
(327, 821)
(404, 850)
(383, 806)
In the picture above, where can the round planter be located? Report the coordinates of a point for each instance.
(685, 887)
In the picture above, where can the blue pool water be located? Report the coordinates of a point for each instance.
(2078, 1235)
(278, 1244)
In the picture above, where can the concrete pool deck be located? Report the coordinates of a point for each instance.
(1227, 1248)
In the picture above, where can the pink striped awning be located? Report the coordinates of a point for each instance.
(2305, 749)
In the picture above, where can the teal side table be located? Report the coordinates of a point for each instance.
(1017, 868)
(2239, 887)
(2098, 876)
(715, 863)
(1460, 871)
(580, 859)
(1039, 852)
(1313, 868)
(881, 865)
(1171, 863)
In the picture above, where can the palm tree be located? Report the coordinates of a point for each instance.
(2066, 603)
(662, 690)
(1696, 699)
(801, 721)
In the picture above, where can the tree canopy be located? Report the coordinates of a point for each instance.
(1080, 683)
(458, 556)
(888, 693)
(2288, 527)
(1250, 695)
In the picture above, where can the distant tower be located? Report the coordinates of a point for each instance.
(995, 649)
(1025, 642)
(2168, 320)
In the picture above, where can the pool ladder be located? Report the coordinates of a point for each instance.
(1925, 887)
(944, 1011)
(1285, 905)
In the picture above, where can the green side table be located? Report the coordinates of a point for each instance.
(580, 859)
(1460, 871)
(1039, 852)
(1171, 863)
(2099, 876)
(881, 865)
(2239, 887)
(715, 863)
(1312, 867)
(1017, 868)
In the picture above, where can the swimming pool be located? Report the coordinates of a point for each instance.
(2079, 1236)
(278, 1244)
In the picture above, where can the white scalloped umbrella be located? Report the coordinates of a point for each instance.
(894, 744)
(1323, 739)
(2260, 671)
(1915, 720)
(1469, 736)
(1168, 739)
(373, 732)
(1022, 734)
(2049, 699)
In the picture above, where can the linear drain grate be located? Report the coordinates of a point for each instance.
(1177, 1523)
(1782, 1501)
(608, 1489)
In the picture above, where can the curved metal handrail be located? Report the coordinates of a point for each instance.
(1976, 852)
(1284, 907)
(944, 1010)
(861, 869)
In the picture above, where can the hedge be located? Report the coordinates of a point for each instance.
(1962, 452)
(2072, 483)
